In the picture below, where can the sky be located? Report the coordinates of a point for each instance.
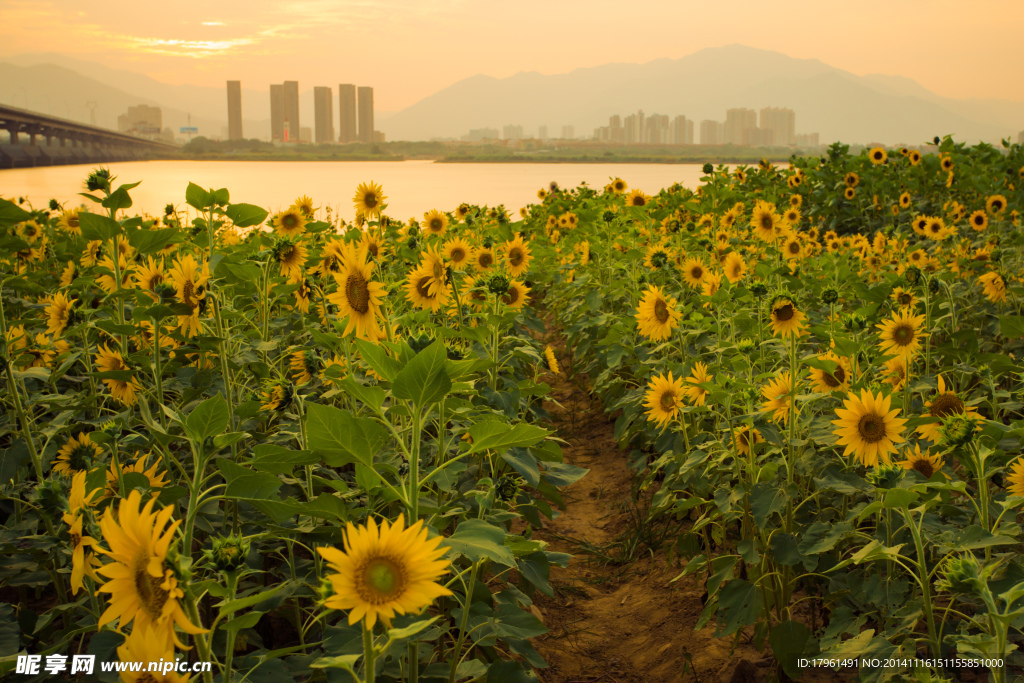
(410, 49)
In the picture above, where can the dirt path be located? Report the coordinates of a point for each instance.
(619, 622)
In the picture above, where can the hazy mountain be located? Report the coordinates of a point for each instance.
(834, 103)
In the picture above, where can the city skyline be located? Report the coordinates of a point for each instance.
(260, 44)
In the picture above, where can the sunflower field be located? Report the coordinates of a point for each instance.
(296, 448)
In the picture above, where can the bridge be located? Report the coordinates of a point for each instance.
(53, 141)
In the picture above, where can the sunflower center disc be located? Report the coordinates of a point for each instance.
(511, 297)
(423, 287)
(289, 221)
(187, 290)
(668, 401)
(515, 257)
(903, 335)
(766, 221)
(871, 428)
(150, 595)
(661, 311)
(457, 255)
(784, 313)
(947, 404)
(358, 293)
(925, 467)
(697, 272)
(370, 200)
(384, 579)
(486, 260)
(836, 378)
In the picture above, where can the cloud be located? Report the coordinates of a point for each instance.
(187, 48)
(212, 23)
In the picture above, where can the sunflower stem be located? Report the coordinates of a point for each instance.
(201, 640)
(229, 646)
(464, 622)
(369, 655)
(925, 581)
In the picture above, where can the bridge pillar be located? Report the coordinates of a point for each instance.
(33, 131)
(14, 129)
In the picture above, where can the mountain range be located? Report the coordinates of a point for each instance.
(834, 103)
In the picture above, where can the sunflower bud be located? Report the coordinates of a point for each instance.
(507, 487)
(933, 286)
(228, 553)
(854, 322)
(498, 285)
(421, 342)
(759, 289)
(708, 169)
(745, 345)
(830, 295)
(608, 216)
(885, 476)
(912, 275)
(959, 575)
(54, 205)
(412, 242)
(99, 180)
(957, 430)
(169, 210)
(324, 591)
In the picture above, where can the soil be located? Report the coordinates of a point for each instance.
(621, 622)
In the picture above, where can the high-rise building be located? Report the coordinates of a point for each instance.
(782, 123)
(737, 123)
(616, 133)
(365, 114)
(1020, 138)
(141, 120)
(234, 110)
(688, 136)
(347, 109)
(542, 133)
(807, 140)
(711, 132)
(291, 111)
(567, 133)
(630, 134)
(512, 132)
(323, 114)
(277, 113)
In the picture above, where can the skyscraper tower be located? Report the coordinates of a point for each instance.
(323, 110)
(291, 110)
(277, 113)
(366, 114)
(234, 110)
(347, 109)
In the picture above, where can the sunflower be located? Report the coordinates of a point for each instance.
(786, 319)
(58, 313)
(83, 561)
(904, 298)
(824, 382)
(358, 297)
(919, 224)
(462, 210)
(925, 463)
(153, 646)
(290, 223)
(304, 366)
(369, 200)
(995, 204)
(849, 193)
(663, 399)
(734, 266)
(275, 394)
(305, 205)
(549, 355)
(516, 295)
(149, 275)
(944, 404)
(156, 478)
(123, 390)
(694, 272)
(766, 223)
(994, 286)
(69, 221)
(868, 428)
(290, 255)
(541, 194)
(696, 394)
(979, 220)
(901, 335)
(517, 256)
(946, 163)
(905, 200)
(851, 179)
(895, 372)
(435, 222)
(710, 286)
(421, 291)
(792, 248)
(637, 198)
(1015, 478)
(743, 439)
(459, 252)
(777, 397)
(656, 316)
(657, 256)
(76, 455)
(334, 369)
(143, 588)
(189, 278)
(936, 229)
(914, 156)
(877, 155)
(484, 259)
(619, 186)
(385, 571)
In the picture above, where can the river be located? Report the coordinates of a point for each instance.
(412, 187)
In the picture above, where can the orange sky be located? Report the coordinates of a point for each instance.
(408, 49)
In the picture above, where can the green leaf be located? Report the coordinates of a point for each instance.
(338, 662)
(10, 634)
(788, 641)
(118, 199)
(97, 227)
(372, 397)
(233, 606)
(246, 215)
(476, 539)
(220, 197)
(424, 380)
(500, 436)
(277, 460)
(899, 499)
(245, 621)
(208, 419)
(11, 214)
(197, 197)
(1011, 326)
(152, 241)
(410, 630)
(739, 605)
(767, 499)
(376, 356)
(784, 549)
(341, 438)
(246, 484)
